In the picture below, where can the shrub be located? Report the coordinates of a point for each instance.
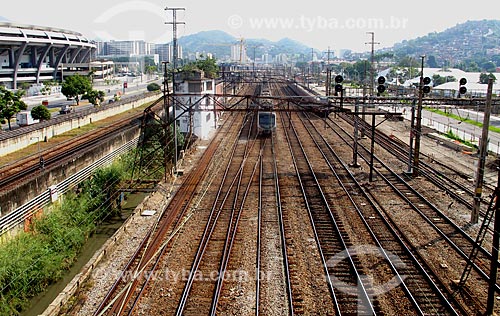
(40, 113)
(153, 87)
(31, 261)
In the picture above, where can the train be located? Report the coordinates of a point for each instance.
(266, 121)
(266, 117)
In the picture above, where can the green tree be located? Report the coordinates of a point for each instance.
(153, 87)
(76, 85)
(472, 67)
(483, 78)
(10, 104)
(40, 113)
(439, 80)
(496, 60)
(23, 86)
(208, 65)
(150, 70)
(489, 66)
(96, 97)
(382, 56)
(431, 61)
(408, 61)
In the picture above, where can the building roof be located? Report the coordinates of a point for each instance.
(472, 79)
(36, 28)
(19, 33)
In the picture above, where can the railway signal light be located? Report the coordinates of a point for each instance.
(462, 89)
(381, 87)
(338, 86)
(426, 88)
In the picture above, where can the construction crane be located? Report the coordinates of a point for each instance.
(242, 48)
(240, 44)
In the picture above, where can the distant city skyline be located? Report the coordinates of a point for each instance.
(316, 23)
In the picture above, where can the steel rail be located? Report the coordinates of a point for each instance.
(340, 165)
(338, 298)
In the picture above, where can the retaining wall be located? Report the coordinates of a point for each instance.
(14, 198)
(44, 131)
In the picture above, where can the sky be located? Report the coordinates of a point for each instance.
(318, 24)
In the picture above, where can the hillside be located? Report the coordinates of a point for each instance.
(219, 43)
(472, 41)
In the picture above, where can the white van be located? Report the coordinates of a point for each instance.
(24, 118)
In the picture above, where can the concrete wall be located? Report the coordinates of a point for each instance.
(74, 285)
(14, 198)
(13, 144)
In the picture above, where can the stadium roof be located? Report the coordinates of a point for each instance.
(36, 28)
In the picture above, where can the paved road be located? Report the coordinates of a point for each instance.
(464, 130)
(58, 100)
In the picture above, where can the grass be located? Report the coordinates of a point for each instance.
(454, 136)
(32, 260)
(466, 120)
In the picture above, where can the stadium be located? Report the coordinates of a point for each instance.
(33, 54)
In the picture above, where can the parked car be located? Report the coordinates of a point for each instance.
(65, 109)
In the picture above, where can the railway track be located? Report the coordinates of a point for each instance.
(214, 248)
(331, 199)
(217, 242)
(271, 224)
(455, 183)
(445, 228)
(125, 293)
(412, 202)
(423, 289)
(330, 236)
(14, 173)
(452, 181)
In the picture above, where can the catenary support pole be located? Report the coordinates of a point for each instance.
(483, 153)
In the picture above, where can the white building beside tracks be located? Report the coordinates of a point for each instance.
(195, 92)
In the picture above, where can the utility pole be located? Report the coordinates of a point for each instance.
(166, 91)
(354, 163)
(483, 153)
(166, 114)
(310, 68)
(174, 24)
(418, 124)
(328, 82)
(372, 42)
(412, 135)
(490, 304)
(364, 101)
